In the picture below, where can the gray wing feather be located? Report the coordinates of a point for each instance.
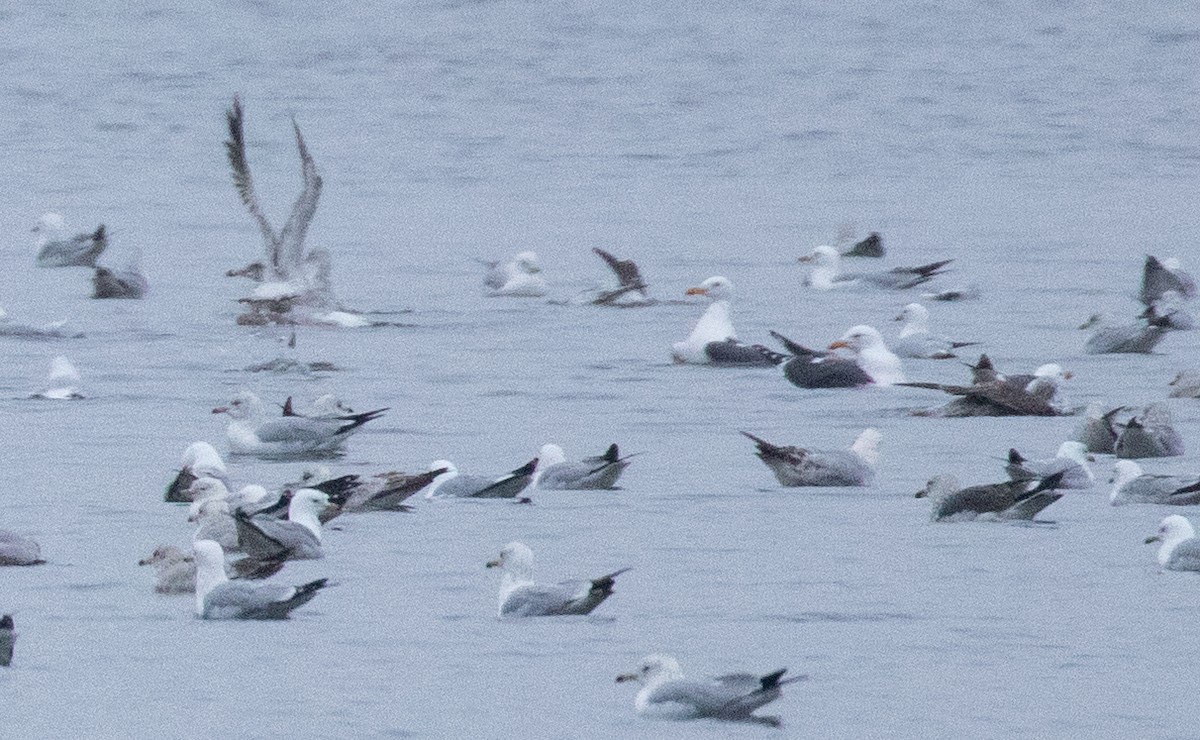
(291, 237)
(235, 147)
(1185, 556)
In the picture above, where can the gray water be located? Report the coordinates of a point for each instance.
(1046, 147)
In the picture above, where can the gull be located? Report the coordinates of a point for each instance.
(217, 597)
(713, 341)
(8, 638)
(286, 436)
(214, 522)
(10, 328)
(380, 492)
(798, 466)
(200, 460)
(1132, 485)
(915, 341)
(554, 472)
(1017, 395)
(1178, 549)
(872, 354)
(128, 283)
(1185, 384)
(667, 694)
(1149, 434)
(519, 278)
(1009, 500)
(1140, 337)
(826, 274)
(521, 597)
(61, 383)
(872, 246)
(631, 288)
(1160, 277)
(18, 550)
(809, 368)
(452, 484)
(56, 249)
(1096, 430)
(1071, 460)
(296, 538)
(176, 570)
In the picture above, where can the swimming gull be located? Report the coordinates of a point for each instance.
(214, 521)
(127, 283)
(217, 597)
(799, 466)
(667, 694)
(872, 246)
(1149, 434)
(380, 492)
(826, 273)
(1096, 430)
(713, 340)
(61, 383)
(286, 436)
(1185, 384)
(810, 368)
(18, 550)
(521, 277)
(200, 460)
(296, 538)
(175, 570)
(1071, 460)
(555, 472)
(1132, 485)
(631, 290)
(56, 249)
(1140, 337)
(1178, 549)
(10, 328)
(452, 484)
(1008, 500)
(520, 596)
(915, 340)
(8, 638)
(872, 354)
(1016, 395)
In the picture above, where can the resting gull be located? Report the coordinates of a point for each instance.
(1016, 395)
(217, 597)
(61, 383)
(127, 283)
(200, 460)
(298, 537)
(521, 597)
(798, 466)
(631, 290)
(452, 484)
(1071, 460)
(18, 550)
(519, 278)
(1185, 384)
(176, 570)
(1140, 337)
(826, 273)
(1179, 548)
(8, 638)
(1132, 485)
(1009, 500)
(56, 249)
(713, 340)
(380, 492)
(1096, 430)
(250, 433)
(555, 472)
(214, 521)
(1149, 434)
(810, 368)
(915, 340)
(667, 694)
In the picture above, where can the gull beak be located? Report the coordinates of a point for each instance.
(695, 291)
(194, 518)
(493, 563)
(221, 410)
(838, 345)
(805, 258)
(921, 493)
(1067, 375)
(899, 318)
(1152, 539)
(627, 677)
(144, 561)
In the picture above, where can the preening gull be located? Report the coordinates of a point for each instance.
(1161, 277)
(127, 283)
(18, 550)
(519, 278)
(217, 597)
(61, 383)
(1149, 434)
(1071, 460)
(1185, 384)
(56, 249)
(176, 570)
(631, 288)
(810, 368)
(521, 597)
(915, 341)
(200, 460)
(8, 638)
(250, 433)
(713, 340)
(1016, 395)
(555, 472)
(1009, 500)
(798, 466)
(296, 538)
(1132, 485)
(1096, 430)
(452, 484)
(826, 272)
(1179, 548)
(667, 694)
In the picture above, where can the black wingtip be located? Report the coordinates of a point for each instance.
(527, 468)
(771, 680)
(1014, 457)
(612, 454)
(6, 622)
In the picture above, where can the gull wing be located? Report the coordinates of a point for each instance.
(235, 147)
(291, 237)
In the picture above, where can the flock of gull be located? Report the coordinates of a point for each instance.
(244, 535)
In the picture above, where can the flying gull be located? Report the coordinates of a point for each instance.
(1009, 500)
(826, 273)
(56, 249)
(555, 472)
(521, 597)
(713, 340)
(452, 484)
(251, 433)
(667, 694)
(217, 597)
(798, 466)
(1132, 485)
(1178, 549)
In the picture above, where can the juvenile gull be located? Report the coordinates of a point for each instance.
(555, 472)
(521, 597)
(915, 340)
(798, 466)
(519, 278)
(296, 538)
(251, 433)
(1132, 485)
(1009, 500)
(8, 637)
(176, 570)
(631, 289)
(380, 492)
(667, 694)
(1149, 434)
(1071, 460)
(200, 460)
(826, 273)
(127, 283)
(18, 550)
(219, 598)
(56, 249)
(1017, 395)
(1178, 549)
(452, 484)
(713, 340)
(61, 383)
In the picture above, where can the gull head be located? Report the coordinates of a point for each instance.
(859, 339)
(938, 487)
(717, 287)
(167, 554)
(550, 454)
(244, 405)
(822, 256)
(654, 668)
(527, 262)
(50, 224)
(516, 558)
(307, 501)
(1172, 530)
